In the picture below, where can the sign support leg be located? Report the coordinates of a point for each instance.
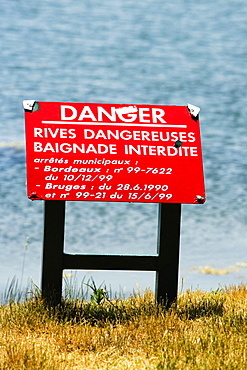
(54, 218)
(167, 264)
(168, 252)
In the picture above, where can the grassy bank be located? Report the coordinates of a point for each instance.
(202, 331)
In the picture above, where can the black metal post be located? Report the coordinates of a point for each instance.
(165, 263)
(168, 252)
(54, 218)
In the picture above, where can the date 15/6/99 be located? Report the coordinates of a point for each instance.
(149, 196)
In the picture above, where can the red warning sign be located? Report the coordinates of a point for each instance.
(113, 152)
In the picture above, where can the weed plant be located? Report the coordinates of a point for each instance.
(202, 330)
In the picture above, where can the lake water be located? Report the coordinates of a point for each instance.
(146, 52)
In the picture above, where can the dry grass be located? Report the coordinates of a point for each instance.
(202, 331)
